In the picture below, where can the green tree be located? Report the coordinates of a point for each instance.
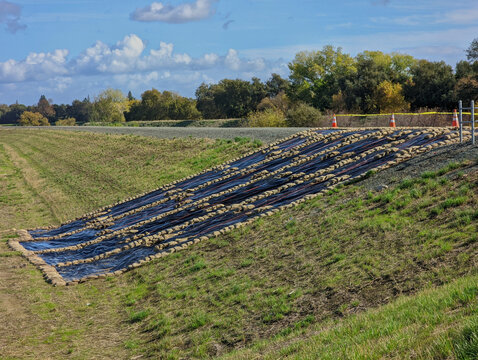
(45, 108)
(276, 85)
(389, 97)
(3, 110)
(155, 105)
(360, 91)
(472, 51)
(12, 115)
(432, 86)
(109, 106)
(28, 118)
(230, 98)
(467, 89)
(279, 102)
(80, 110)
(205, 101)
(316, 76)
(61, 111)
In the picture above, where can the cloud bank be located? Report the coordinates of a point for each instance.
(186, 12)
(10, 16)
(128, 65)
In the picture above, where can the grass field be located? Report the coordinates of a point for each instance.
(354, 274)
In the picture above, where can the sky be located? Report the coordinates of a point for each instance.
(71, 49)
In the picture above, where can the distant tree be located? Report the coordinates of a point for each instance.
(465, 68)
(467, 89)
(389, 97)
(3, 110)
(130, 96)
(13, 114)
(45, 108)
(401, 67)
(360, 90)
(432, 86)
(230, 98)
(472, 51)
(279, 102)
(205, 101)
(155, 105)
(29, 118)
(258, 91)
(80, 110)
(466, 74)
(276, 84)
(316, 76)
(109, 106)
(61, 111)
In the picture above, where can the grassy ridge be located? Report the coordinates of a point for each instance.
(288, 285)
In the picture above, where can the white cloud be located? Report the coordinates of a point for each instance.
(127, 65)
(467, 16)
(461, 17)
(137, 81)
(10, 16)
(232, 60)
(119, 58)
(36, 66)
(186, 12)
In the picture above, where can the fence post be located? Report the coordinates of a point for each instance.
(473, 122)
(460, 107)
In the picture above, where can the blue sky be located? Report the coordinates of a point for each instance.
(68, 50)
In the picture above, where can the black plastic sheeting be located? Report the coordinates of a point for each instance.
(120, 236)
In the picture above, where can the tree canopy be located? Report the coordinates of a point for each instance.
(322, 81)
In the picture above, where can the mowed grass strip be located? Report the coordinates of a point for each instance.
(92, 170)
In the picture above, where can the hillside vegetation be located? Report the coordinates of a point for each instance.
(300, 283)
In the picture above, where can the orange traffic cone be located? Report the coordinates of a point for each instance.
(392, 121)
(455, 119)
(334, 121)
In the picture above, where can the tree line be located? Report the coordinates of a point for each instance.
(323, 81)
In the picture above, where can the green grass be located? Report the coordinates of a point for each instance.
(284, 286)
(438, 323)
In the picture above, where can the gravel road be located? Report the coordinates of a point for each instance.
(267, 135)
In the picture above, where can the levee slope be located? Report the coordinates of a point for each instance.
(128, 234)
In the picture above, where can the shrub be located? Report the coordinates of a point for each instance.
(71, 121)
(267, 118)
(29, 118)
(303, 115)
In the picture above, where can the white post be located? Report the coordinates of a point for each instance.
(460, 107)
(473, 122)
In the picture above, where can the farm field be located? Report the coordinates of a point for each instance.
(286, 285)
(265, 135)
